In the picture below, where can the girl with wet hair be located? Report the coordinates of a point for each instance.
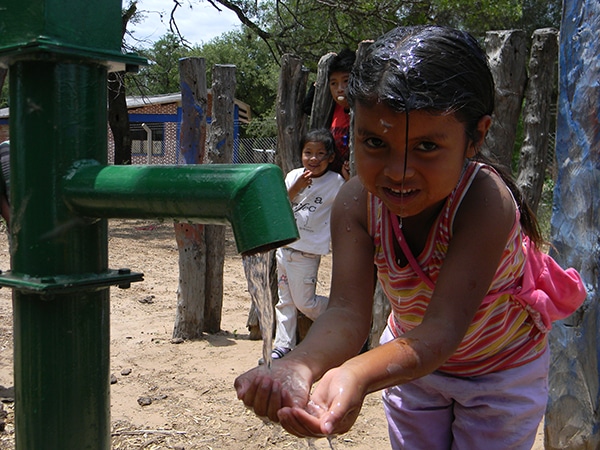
(463, 362)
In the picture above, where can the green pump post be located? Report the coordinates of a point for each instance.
(59, 53)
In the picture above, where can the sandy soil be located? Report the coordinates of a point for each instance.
(190, 385)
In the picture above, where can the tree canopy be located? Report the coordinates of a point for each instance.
(311, 28)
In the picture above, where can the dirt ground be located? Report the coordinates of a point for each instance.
(189, 385)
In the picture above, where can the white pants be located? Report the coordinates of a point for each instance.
(297, 283)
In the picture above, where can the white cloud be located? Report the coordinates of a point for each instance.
(198, 24)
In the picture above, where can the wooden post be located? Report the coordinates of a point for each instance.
(323, 104)
(573, 412)
(291, 121)
(507, 52)
(189, 315)
(3, 73)
(537, 114)
(219, 150)
(291, 125)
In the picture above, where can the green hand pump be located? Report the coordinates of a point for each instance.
(59, 53)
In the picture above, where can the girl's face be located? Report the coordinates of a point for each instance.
(437, 148)
(315, 158)
(338, 83)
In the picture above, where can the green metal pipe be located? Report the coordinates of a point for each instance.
(252, 198)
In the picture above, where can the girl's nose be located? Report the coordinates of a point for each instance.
(398, 167)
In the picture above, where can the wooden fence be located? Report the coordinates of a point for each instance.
(525, 92)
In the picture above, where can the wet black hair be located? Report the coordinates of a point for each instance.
(342, 62)
(437, 69)
(322, 135)
(426, 68)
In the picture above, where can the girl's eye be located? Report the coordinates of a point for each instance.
(374, 142)
(427, 146)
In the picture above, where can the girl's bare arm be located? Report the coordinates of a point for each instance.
(340, 332)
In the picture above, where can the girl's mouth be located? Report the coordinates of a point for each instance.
(341, 98)
(401, 192)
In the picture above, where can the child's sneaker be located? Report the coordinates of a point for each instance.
(276, 353)
(280, 352)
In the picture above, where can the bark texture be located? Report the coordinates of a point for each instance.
(573, 411)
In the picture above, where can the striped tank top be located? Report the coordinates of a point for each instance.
(502, 334)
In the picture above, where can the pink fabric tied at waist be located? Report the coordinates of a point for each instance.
(548, 292)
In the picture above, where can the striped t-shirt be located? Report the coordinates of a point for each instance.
(502, 334)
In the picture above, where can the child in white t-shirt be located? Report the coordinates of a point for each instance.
(312, 189)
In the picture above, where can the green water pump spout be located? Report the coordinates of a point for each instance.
(252, 198)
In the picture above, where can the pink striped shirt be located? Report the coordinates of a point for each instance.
(502, 334)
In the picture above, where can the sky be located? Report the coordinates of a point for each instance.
(198, 25)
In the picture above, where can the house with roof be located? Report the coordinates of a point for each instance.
(155, 124)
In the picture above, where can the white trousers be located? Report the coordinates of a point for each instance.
(297, 283)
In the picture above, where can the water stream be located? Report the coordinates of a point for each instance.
(257, 268)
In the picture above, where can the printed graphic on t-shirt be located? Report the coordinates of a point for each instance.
(303, 211)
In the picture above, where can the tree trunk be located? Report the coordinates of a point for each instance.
(291, 125)
(189, 315)
(323, 103)
(381, 312)
(291, 121)
(118, 115)
(3, 73)
(537, 115)
(118, 118)
(573, 411)
(219, 150)
(191, 293)
(507, 52)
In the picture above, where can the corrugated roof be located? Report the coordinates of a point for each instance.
(145, 100)
(136, 101)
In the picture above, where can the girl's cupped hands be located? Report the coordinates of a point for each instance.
(332, 409)
(267, 390)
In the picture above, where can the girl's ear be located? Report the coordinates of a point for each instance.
(482, 128)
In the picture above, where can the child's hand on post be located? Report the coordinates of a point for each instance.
(346, 170)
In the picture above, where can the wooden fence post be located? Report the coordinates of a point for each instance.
(189, 315)
(219, 150)
(291, 124)
(573, 411)
(291, 121)
(507, 53)
(3, 73)
(537, 114)
(323, 104)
